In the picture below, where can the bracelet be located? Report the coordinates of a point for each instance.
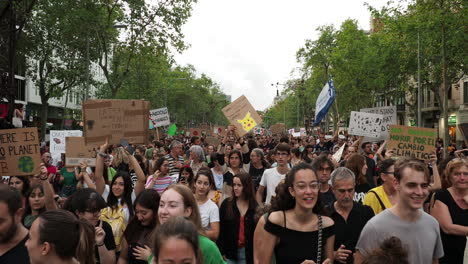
(100, 245)
(44, 178)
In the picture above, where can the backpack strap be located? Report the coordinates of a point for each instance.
(380, 201)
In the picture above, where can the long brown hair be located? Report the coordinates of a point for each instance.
(72, 238)
(355, 163)
(247, 194)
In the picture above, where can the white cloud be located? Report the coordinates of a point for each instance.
(246, 45)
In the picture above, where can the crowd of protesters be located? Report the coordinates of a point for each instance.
(252, 199)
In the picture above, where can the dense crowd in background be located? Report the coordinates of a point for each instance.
(251, 199)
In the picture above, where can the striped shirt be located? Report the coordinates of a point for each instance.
(161, 184)
(173, 170)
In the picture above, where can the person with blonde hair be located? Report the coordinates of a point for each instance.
(178, 200)
(451, 210)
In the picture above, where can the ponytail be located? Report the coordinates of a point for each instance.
(85, 248)
(72, 238)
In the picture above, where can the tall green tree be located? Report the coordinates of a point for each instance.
(143, 26)
(57, 47)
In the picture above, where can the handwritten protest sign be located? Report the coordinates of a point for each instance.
(389, 114)
(365, 124)
(20, 153)
(116, 120)
(416, 142)
(160, 117)
(278, 128)
(242, 115)
(77, 151)
(57, 142)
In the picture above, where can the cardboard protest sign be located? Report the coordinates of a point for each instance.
(77, 151)
(278, 128)
(416, 142)
(116, 120)
(57, 142)
(195, 132)
(389, 114)
(365, 124)
(20, 152)
(215, 141)
(160, 117)
(242, 115)
(218, 130)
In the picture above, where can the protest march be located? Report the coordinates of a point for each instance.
(240, 193)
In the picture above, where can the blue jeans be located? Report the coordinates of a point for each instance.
(240, 257)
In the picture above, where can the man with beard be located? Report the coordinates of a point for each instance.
(13, 234)
(406, 220)
(349, 217)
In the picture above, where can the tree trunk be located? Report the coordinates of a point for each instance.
(444, 95)
(65, 109)
(44, 116)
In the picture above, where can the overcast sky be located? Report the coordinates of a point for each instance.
(246, 45)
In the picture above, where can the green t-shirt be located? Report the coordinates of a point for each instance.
(210, 251)
(28, 220)
(69, 178)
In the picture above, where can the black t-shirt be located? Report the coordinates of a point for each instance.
(327, 197)
(454, 245)
(256, 175)
(17, 255)
(360, 192)
(370, 171)
(347, 231)
(109, 241)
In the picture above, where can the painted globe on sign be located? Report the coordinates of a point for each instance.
(26, 164)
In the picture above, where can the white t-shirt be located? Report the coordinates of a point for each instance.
(270, 179)
(209, 213)
(105, 194)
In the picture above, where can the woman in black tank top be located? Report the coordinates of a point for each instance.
(296, 229)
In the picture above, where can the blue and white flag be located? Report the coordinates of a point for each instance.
(324, 101)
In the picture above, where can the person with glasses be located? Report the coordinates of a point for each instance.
(384, 196)
(271, 177)
(451, 211)
(86, 204)
(349, 217)
(296, 231)
(324, 167)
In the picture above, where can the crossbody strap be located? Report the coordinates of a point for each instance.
(380, 201)
(319, 250)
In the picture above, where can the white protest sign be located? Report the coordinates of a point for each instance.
(303, 132)
(296, 134)
(338, 153)
(365, 124)
(160, 117)
(389, 114)
(57, 142)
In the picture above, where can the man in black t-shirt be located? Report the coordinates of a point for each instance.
(13, 234)
(349, 217)
(324, 167)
